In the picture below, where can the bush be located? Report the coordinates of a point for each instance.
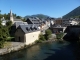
(59, 35)
(48, 34)
(2, 43)
(41, 37)
(38, 41)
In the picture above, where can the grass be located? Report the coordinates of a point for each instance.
(7, 44)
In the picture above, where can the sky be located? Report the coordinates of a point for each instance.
(53, 8)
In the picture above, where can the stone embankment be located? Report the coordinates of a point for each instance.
(15, 46)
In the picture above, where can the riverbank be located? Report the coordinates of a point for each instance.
(14, 46)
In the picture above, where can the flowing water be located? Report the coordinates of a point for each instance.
(44, 51)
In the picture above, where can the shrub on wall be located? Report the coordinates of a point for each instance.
(41, 37)
(48, 33)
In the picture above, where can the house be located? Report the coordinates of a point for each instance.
(33, 20)
(58, 29)
(27, 33)
(37, 21)
(4, 21)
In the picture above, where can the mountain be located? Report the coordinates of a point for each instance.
(73, 13)
(37, 15)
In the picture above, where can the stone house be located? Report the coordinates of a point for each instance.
(27, 33)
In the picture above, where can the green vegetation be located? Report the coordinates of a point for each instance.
(7, 16)
(73, 14)
(59, 37)
(44, 37)
(4, 33)
(41, 38)
(48, 34)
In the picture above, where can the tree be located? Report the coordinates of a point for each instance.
(48, 34)
(18, 17)
(9, 23)
(2, 35)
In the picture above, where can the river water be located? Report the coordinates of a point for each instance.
(44, 51)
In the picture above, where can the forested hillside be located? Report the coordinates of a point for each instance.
(74, 13)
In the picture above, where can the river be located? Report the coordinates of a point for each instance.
(44, 51)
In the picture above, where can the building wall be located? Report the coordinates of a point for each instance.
(19, 35)
(58, 22)
(57, 30)
(31, 37)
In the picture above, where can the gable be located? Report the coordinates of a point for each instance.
(19, 32)
(29, 21)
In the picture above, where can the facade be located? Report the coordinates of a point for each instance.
(58, 21)
(27, 33)
(58, 29)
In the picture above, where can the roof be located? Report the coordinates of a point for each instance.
(17, 20)
(33, 21)
(29, 28)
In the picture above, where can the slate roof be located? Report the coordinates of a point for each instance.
(19, 22)
(29, 28)
(33, 21)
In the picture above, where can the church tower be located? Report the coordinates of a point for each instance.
(11, 17)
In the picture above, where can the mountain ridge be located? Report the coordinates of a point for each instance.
(75, 12)
(37, 15)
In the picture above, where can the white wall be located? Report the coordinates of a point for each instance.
(74, 23)
(31, 37)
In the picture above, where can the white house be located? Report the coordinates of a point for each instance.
(27, 33)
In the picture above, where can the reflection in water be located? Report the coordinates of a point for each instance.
(39, 52)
